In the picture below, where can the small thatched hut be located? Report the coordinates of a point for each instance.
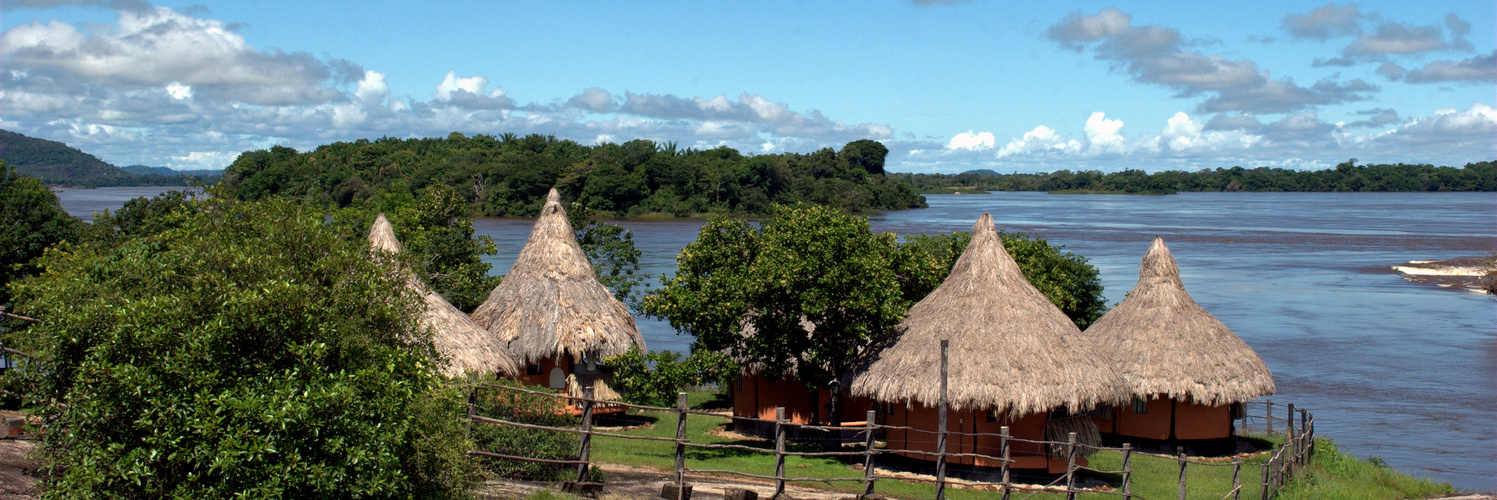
(1014, 359)
(1186, 369)
(558, 320)
(467, 346)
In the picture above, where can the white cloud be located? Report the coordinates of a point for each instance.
(475, 85)
(1181, 132)
(1040, 140)
(372, 89)
(969, 140)
(179, 91)
(1102, 133)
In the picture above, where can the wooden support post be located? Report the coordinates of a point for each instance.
(585, 448)
(1290, 442)
(1071, 466)
(941, 430)
(1003, 445)
(779, 451)
(868, 459)
(472, 400)
(681, 490)
(1236, 478)
(1183, 462)
(1306, 434)
(1268, 417)
(1127, 470)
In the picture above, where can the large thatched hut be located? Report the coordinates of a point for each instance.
(466, 346)
(1014, 360)
(557, 318)
(1187, 370)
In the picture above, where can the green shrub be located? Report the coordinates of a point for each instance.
(531, 409)
(246, 350)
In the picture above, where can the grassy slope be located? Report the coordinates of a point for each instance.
(1331, 475)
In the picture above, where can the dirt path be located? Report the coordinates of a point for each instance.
(644, 483)
(14, 484)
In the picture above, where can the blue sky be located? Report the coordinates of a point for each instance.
(947, 86)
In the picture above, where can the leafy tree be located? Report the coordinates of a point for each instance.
(867, 154)
(655, 378)
(253, 349)
(807, 263)
(611, 251)
(440, 242)
(30, 221)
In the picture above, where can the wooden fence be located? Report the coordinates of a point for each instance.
(1297, 427)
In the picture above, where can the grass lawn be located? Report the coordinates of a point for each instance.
(1330, 475)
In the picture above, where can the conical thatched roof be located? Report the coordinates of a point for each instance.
(467, 346)
(1162, 342)
(1011, 349)
(550, 303)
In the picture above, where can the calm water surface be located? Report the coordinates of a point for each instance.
(1391, 368)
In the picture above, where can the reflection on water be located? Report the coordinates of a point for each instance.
(84, 203)
(1392, 368)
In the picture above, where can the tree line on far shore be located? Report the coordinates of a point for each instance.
(509, 175)
(1348, 176)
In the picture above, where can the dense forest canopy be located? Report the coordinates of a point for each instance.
(1347, 176)
(509, 175)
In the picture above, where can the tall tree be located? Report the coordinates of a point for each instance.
(30, 221)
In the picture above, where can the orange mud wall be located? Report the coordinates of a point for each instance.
(756, 396)
(1190, 420)
(922, 444)
(540, 372)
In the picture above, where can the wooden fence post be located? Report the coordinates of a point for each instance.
(1268, 417)
(1127, 470)
(779, 451)
(1071, 466)
(585, 447)
(1236, 478)
(1181, 451)
(680, 446)
(1307, 435)
(1003, 445)
(941, 430)
(868, 459)
(1290, 442)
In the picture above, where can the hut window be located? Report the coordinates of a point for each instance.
(1140, 405)
(532, 369)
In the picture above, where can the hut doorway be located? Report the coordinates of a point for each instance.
(558, 378)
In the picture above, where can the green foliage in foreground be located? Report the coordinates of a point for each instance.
(30, 221)
(507, 440)
(1331, 475)
(655, 378)
(247, 350)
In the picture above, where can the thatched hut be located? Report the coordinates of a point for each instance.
(1188, 372)
(757, 395)
(557, 318)
(466, 346)
(1014, 360)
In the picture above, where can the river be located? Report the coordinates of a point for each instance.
(1391, 368)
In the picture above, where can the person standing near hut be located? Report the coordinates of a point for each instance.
(1014, 360)
(466, 346)
(558, 320)
(1187, 370)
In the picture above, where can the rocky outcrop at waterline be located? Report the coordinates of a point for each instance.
(1474, 274)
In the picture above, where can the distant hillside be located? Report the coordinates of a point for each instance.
(56, 163)
(980, 172)
(145, 170)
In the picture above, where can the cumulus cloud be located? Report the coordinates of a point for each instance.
(1157, 55)
(1326, 22)
(970, 141)
(1102, 133)
(372, 89)
(1476, 70)
(1376, 117)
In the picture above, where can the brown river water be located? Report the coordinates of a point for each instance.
(1402, 370)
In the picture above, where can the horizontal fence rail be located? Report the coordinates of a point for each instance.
(1296, 426)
